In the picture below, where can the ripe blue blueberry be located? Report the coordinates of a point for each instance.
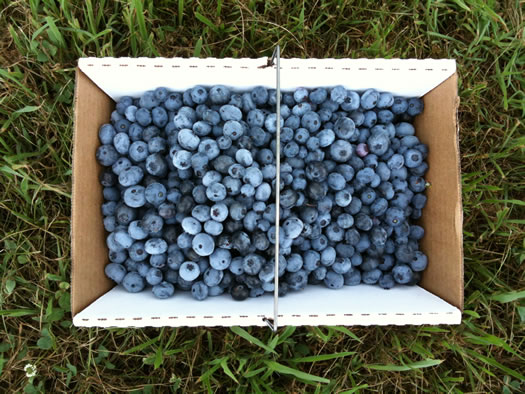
(203, 244)
(107, 155)
(338, 94)
(333, 280)
(155, 246)
(163, 290)
(199, 291)
(220, 94)
(369, 99)
(154, 276)
(106, 134)
(115, 272)
(133, 282)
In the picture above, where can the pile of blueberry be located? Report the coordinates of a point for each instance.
(189, 190)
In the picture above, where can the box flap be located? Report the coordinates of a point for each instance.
(403, 77)
(443, 215)
(118, 308)
(88, 243)
(366, 305)
(352, 305)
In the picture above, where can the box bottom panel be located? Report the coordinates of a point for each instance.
(317, 305)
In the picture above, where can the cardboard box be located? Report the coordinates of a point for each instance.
(439, 300)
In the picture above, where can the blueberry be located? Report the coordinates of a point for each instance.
(239, 292)
(191, 225)
(317, 96)
(155, 193)
(293, 227)
(199, 94)
(300, 95)
(143, 117)
(311, 260)
(291, 149)
(378, 143)
(297, 280)
(244, 157)
(368, 196)
(107, 155)
(345, 221)
(317, 276)
(402, 274)
(189, 271)
(352, 277)
(351, 101)
(111, 194)
(107, 178)
(134, 196)
(259, 95)
(415, 106)
(385, 116)
(369, 99)
(343, 198)
(220, 94)
(199, 291)
(156, 165)
(311, 121)
(110, 223)
(159, 116)
(201, 213)
(138, 151)
(371, 277)
(336, 181)
(345, 128)
(133, 282)
(115, 272)
(416, 232)
(270, 123)
(182, 160)
(341, 151)
(203, 244)
(155, 246)
(338, 94)
(158, 260)
(212, 277)
(230, 112)
(334, 233)
(106, 134)
(215, 291)
(399, 106)
(163, 290)
(122, 126)
(413, 158)
(370, 119)
(419, 262)
(333, 280)
(154, 276)
(233, 130)
(199, 164)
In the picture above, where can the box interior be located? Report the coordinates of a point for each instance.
(95, 302)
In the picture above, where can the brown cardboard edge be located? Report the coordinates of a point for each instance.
(78, 255)
(451, 293)
(460, 213)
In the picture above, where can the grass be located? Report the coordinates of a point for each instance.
(40, 43)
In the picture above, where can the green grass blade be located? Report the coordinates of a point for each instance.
(509, 297)
(320, 357)
(275, 366)
(244, 334)
(407, 367)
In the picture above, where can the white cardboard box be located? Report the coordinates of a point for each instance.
(439, 300)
